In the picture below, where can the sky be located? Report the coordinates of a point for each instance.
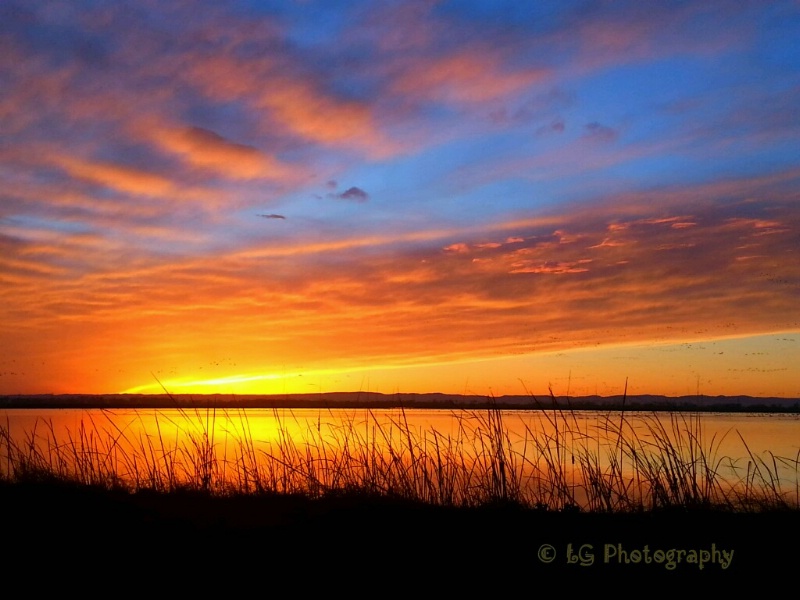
(461, 197)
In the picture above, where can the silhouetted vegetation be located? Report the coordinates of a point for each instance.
(627, 462)
(369, 499)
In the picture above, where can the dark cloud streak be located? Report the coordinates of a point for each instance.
(354, 194)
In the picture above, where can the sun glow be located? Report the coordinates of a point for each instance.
(751, 365)
(234, 384)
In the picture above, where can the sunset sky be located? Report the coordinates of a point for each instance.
(462, 197)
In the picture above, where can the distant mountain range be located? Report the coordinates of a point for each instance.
(430, 401)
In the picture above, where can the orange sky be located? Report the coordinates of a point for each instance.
(261, 204)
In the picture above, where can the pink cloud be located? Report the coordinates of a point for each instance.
(206, 149)
(469, 76)
(125, 179)
(550, 267)
(290, 99)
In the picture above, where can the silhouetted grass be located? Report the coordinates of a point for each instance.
(625, 463)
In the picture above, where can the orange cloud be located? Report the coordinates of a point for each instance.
(205, 149)
(157, 193)
(460, 248)
(550, 267)
(124, 179)
(310, 113)
(394, 305)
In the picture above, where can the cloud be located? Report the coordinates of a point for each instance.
(555, 126)
(354, 194)
(623, 33)
(554, 267)
(118, 177)
(271, 216)
(465, 77)
(290, 98)
(528, 291)
(457, 248)
(601, 133)
(307, 111)
(206, 149)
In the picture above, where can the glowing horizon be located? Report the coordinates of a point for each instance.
(410, 198)
(703, 373)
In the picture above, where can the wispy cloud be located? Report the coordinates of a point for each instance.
(206, 149)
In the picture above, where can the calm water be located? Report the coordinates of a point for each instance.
(323, 445)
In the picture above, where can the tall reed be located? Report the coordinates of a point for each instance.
(621, 463)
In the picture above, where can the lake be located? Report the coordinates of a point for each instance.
(592, 459)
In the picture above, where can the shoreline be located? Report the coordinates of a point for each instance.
(374, 400)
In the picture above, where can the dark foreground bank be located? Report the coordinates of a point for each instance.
(85, 538)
